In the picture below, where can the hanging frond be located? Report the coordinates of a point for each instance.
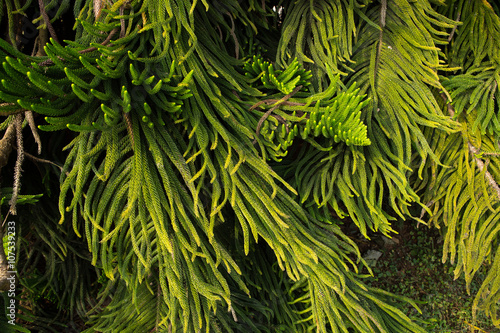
(464, 195)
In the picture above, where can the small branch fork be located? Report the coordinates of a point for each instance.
(270, 111)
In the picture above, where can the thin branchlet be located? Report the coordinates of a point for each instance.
(50, 62)
(16, 188)
(31, 122)
(46, 19)
(383, 14)
(268, 113)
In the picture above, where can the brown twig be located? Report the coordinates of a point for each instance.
(383, 14)
(49, 62)
(236, 43)
(31, 122)
(122, 21)
(41, 160)
(130, 130)
(47, 21)
(272, 101)
(268, 113)
(97, 8)
(220, 33)
(40, 41)
(450, 37)
(104, 43)
(6, 145)
(16, 188)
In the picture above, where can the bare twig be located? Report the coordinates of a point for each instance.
(97, 8)
(49, 62)
(47, 21)
(16, 188)
(268, 113)
(105, 42)
(31, 122)
(235, 318)
(450, 37)
(6, 144)
(40, 41)
(220, 33)
(422, 212)
(122, 21)
(272, 101)
(481, 166)
(41, 160)
(490, 154)
(236, 43)
(130, 130)
(383, 13)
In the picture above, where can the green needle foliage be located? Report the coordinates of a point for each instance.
(212, 149)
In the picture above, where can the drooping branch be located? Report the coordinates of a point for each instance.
(19, 163)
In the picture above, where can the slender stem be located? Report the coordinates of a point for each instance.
(16, 188)
(383, 14)
(49, 62)
(31, 122)
(236, 43)
(47, 21)
(268, 113)
(41, 160)
(454, 28)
